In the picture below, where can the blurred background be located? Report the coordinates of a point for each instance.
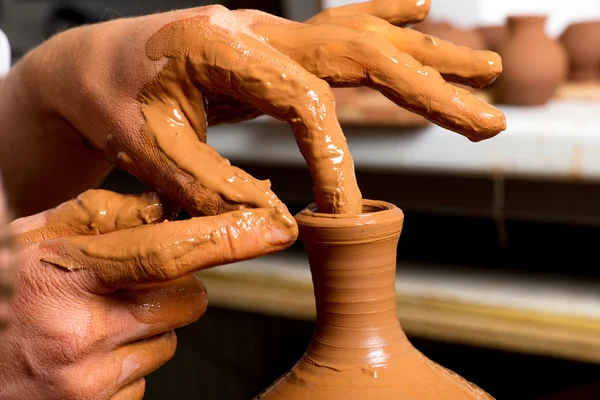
(498, 268)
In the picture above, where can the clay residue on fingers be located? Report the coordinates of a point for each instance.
(238, 63)
(397, 12)
(456, 64)
(177, 121)
(346, 57)
(168, 250)
(94, 212)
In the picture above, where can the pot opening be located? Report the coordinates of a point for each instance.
(368, 207)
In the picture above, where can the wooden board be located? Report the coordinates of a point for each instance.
(282, 287)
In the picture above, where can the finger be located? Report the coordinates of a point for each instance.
(346, 57)
(133, 391)
(108, 374)
(166, 251)
(94, 212)
(151, 310)
(172, 154)
(397, 12)
(457, 64)
(141, 358)
(244, 67)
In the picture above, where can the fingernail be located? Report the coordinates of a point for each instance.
(279, 236)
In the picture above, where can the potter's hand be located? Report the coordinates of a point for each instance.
(102, 283)
(6, 276)
(143, 91)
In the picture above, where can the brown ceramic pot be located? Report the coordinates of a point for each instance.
(358, 350)
(534, 64)
(582, 43)
(493, 36)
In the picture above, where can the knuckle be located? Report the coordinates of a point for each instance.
(159, 266)
(217, 8)
(320, 86)
(363, 22)
(78, 385)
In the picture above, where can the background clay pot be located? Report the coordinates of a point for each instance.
(493, 36)
(582, 43)
(534, 64)
(358, 350)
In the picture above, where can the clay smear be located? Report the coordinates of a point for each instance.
(359, 349)
(92, 213)
(125, 240)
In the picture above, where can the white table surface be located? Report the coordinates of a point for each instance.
(559, 140)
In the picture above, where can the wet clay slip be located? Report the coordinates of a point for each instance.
(358, 350)
(534, 64)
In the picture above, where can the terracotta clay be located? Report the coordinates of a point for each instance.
(358, 350)
(582, 43)
(534, 64)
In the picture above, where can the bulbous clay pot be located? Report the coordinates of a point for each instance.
(534, 64)
(582, 43)
(493, 36)
(358, 350)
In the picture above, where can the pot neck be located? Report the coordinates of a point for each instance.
(531, 25)
(353, 267)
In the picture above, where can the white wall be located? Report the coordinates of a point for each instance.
(469, 13)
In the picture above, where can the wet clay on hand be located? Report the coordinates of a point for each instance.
(119, 241)
(358, 350)
(218, 59)
(94, 212)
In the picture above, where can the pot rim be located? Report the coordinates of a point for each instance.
(374, 212)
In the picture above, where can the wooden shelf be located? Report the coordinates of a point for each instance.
(537, 315)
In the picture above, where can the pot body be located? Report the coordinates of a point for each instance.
(359, 350)
(534, 64)
(582, 43)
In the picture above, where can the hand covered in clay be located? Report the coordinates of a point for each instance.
(143, 90)
(103, 280)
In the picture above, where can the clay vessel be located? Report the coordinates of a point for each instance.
(582, 43)
(534, 64)
(493, 36)
(359, 350)
(444, 30)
